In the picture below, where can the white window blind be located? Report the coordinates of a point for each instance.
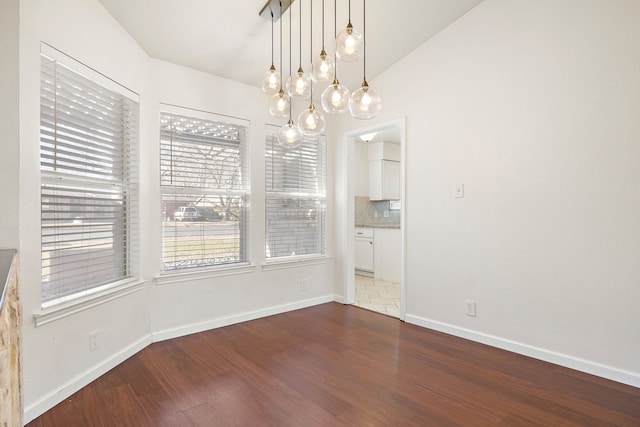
(204, 182)
(88, 163)
(295, 198)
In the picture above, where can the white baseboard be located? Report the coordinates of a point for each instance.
(572, 362)
(49, 401)
(339, 298)
(237, 318)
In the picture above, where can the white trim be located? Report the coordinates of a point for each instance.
(188, 276)
(339, 298)
(204, 115)
(293, 262)
(87, 72)
(568, 361)
(47, 402)
(348, 280)
(68, 308)
(193, 328)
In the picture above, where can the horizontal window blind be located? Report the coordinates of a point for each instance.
(88, 163)
(295, 198)
(204, 182)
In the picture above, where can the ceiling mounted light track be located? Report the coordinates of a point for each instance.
(276, 8)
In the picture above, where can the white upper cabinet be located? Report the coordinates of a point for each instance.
(384, 171)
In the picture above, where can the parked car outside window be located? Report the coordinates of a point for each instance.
(186, 213)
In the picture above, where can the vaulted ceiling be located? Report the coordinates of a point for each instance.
(230, 39)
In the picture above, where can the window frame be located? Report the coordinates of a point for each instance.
(320, 196)
(183, 274)
(63, 179)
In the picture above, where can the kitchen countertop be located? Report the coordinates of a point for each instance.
(378, 226)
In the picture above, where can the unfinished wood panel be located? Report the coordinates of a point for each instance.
(10, 362)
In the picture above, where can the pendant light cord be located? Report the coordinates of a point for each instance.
(311, 44)
(322, 24)
(335, 35)
(280, 45)
(290, 80)
(364, 38)
(271, 38)
(300, 34)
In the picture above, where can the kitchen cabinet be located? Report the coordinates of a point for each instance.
(384, 180)
(388, 254)
(363, 250)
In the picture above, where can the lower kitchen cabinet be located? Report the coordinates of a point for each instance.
(363, 250)
(388, 254)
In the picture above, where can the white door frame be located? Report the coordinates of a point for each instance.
(348, 208)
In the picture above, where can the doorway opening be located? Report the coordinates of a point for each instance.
(375, 279)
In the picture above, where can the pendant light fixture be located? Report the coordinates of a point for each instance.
(271, 81)
(335, 97)
(299, 84)
(349, 43)
(311, 121)
(365, 102)
(280, 103)
(289, 135)
(323, 67)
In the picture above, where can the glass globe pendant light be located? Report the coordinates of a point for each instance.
(311, 121)
(323, 67)
(280, 103)
(335, 97)
(271, 81)
(299, 84)
(349, 43)
(365, 102)
(289, 136)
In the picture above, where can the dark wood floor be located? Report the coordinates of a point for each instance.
(336, 365)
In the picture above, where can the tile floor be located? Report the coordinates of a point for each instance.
(378, 295)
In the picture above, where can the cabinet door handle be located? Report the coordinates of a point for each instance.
(371, 243)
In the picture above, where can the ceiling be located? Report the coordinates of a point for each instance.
(230, 39)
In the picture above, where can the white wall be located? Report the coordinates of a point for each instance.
(9, 122)
(57, 360)
(535, 107)
(361, 165)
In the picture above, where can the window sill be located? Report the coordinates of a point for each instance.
(187, 276)
(294, 262)
(68, 308)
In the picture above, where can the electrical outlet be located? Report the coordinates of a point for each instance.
(94, 343)
(470, 308)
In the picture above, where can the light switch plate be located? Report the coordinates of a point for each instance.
(458, 191)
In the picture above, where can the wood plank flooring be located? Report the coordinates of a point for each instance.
(337, 365)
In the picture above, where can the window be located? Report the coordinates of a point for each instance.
(295, 198)
(88, 164)
(204, 182)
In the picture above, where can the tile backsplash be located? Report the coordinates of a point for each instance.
(370, 213)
